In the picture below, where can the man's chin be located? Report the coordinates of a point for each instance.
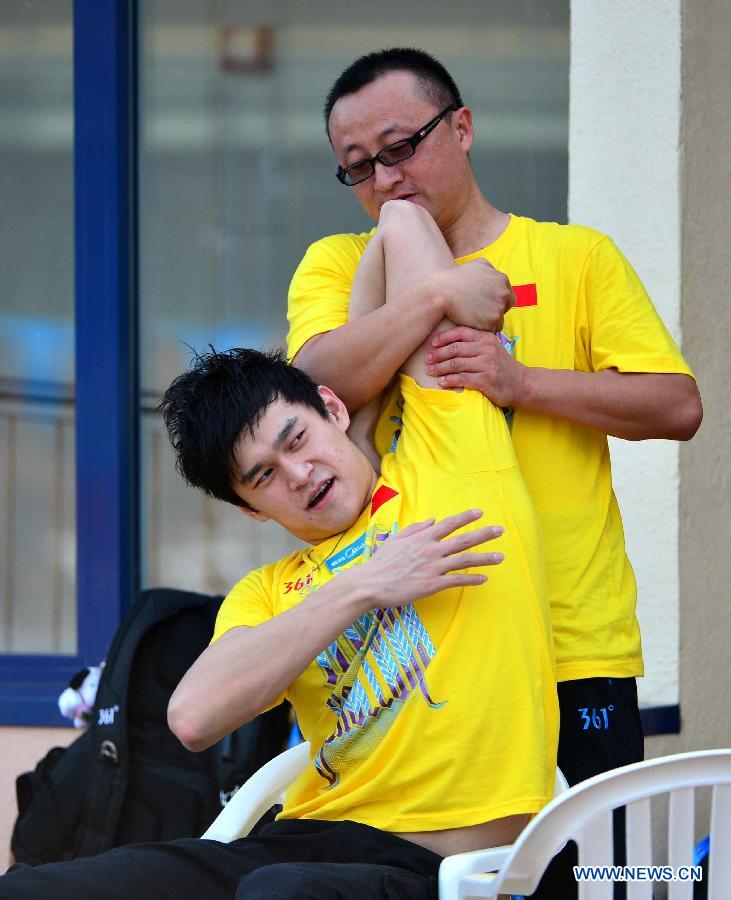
(407, 198)
(325, 530)
(420, 200)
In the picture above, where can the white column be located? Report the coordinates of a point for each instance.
(624, 143)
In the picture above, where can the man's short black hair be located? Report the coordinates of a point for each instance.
(435, 81)
(219, 398)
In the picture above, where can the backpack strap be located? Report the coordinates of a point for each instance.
(109, 773)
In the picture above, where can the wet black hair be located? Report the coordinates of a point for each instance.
(435, 81)
(220, 397)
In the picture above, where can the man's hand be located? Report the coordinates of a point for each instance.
(467, 358)
(475, 294)
(634, 406)
(422, 560)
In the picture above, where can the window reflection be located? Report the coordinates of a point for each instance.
(237, 178)
(37, 538)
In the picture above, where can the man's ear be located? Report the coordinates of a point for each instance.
(465, 130)
(335, 407)
(254, 514)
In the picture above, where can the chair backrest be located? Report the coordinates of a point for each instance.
(584, 815)
(263, 790)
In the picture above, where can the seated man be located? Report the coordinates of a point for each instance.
(426, 691)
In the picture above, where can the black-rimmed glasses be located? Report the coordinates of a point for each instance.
(391, 155)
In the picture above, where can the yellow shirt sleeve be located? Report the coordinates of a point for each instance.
(617, 325)
(248, 603)
(319, 294)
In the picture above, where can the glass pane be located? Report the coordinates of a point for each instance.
(37, 526)
(237, 178)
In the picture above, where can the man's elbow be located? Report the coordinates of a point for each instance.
(674, 414)
(188, 726)
(320, 363)
(198, 724)
(688, 413)
(308, 358)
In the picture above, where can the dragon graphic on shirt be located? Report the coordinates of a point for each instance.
(375, 666)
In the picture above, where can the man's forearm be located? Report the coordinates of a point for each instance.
(626, 405)
(245, 670)
(359, 359)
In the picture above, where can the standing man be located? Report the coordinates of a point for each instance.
(590, 358)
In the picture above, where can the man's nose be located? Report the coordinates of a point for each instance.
(386, 177)
(298, 473)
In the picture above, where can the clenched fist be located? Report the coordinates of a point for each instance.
(476, 294)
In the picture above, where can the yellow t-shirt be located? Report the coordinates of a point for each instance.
(440, 713)
(580, 307)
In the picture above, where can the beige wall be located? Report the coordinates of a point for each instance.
(705, 470)
(20, 750)
(680, 224)
(705, 483)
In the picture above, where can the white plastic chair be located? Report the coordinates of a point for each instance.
(584, 814)
(263, 790)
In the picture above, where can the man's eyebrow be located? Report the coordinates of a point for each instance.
(383, 136)
(285, 432)
(246, 477)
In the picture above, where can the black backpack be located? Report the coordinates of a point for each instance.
(128, 778)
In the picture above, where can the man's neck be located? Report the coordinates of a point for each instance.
(479, 224)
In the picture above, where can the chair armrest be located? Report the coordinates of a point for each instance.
(560, 784)
(478, 862)
(454, 867)
(265, 788)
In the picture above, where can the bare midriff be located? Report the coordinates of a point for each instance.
(495, 833)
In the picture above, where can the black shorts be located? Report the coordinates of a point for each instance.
(601, 727)
(600, 730)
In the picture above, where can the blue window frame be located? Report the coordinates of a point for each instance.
(105, 140)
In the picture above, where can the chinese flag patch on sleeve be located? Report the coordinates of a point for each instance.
(525, 295)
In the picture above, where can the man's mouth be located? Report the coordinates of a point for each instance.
(320, 494)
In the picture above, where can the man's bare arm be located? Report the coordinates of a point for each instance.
(359, 359)
(633, 406)
(247, 669)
